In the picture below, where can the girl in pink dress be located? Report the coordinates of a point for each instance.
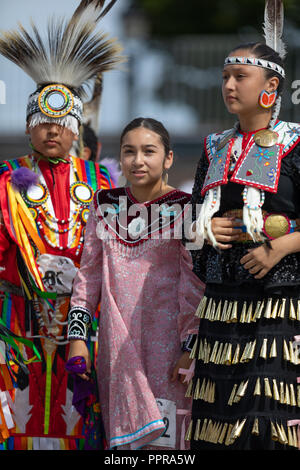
(135, 264)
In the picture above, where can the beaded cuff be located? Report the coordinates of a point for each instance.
(188, 344)
(79, 322)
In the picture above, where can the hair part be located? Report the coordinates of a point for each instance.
(154, 126)
(262, 51)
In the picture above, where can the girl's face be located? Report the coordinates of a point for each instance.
(242, 85)
(143, 158)
(51, 140)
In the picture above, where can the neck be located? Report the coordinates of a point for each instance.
(149, 193)
(250, 123)
(39, 156)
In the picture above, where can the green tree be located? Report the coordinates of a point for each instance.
(176, 17)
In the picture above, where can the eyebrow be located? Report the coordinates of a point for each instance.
(133, 146)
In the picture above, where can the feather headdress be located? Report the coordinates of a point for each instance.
(273, 26)
(72, 54)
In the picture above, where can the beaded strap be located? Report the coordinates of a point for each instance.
(79, 323)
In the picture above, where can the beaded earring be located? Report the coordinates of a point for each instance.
(266, 99)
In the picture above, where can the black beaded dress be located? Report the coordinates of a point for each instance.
(246, 386)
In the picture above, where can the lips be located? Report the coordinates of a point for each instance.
(51, 142)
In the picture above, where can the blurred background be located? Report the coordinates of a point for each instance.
(175, 56)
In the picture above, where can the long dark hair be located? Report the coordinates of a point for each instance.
(262, 51)
(154, 126)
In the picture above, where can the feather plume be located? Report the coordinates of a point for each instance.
(273, 26)
(73, 53)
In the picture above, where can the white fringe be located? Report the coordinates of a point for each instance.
(70, 122)
(253, 218)
(203, 223)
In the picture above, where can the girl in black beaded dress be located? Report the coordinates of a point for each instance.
(246, 386)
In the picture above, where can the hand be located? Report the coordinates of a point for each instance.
(184, 362)
(225, 232)
(78, 347)
(260, 260)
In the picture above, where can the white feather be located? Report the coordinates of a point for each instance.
(273, 26)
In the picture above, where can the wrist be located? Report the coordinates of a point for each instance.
(79, 323)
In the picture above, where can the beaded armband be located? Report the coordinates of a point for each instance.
(79, 322)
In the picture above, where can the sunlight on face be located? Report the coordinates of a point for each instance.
(143, 158)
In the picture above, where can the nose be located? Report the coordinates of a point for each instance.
(229, 83)
(53, 129)
(138, 160)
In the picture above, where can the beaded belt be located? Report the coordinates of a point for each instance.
(275, 225)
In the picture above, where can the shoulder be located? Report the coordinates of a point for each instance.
(288, 135)
(13, 164)
(212, 141)
(108, 196)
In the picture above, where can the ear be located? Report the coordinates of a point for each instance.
(168, 161)
(272, 84)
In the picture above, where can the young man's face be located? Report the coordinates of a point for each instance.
(51, 140)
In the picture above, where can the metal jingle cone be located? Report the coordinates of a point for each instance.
(275, 309)
(197, 430)
(287, 395)
(197, 389)
(224, 310)
(292, 315)
(257, 389)
(201, 307)
(234, 313)
(265, 138)
(219, 355)
(188, 393)
(281, 434)
(275, 391)
(263, 351)
(273, 350)
(223, 433)
(268, 310)
(227, 439)
(268, 392)
(298, 396)
(188, 434)
(292, 395)
(298, 310)
(237, 430)
(214, 352)
(203, 430)
(274, 433)
(218, 311)
(236, 356)
(194, 349)
(286, 353)
(232, 395)
(281, 312)
(208, 309)
(255, 428)
(249, 313)
(243, 313)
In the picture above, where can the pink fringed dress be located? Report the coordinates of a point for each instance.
(143, 278)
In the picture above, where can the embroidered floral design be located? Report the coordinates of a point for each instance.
(294, 131)
(272, 175)
(263, 154)
(136, 227)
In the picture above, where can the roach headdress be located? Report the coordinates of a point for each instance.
(72, 54)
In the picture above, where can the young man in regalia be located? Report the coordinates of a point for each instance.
(44, 202)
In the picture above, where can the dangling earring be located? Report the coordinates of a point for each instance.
(122, 180)
(266, 99)
(165, 178)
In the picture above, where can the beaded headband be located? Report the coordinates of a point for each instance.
(266, 64)
(55, 103)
